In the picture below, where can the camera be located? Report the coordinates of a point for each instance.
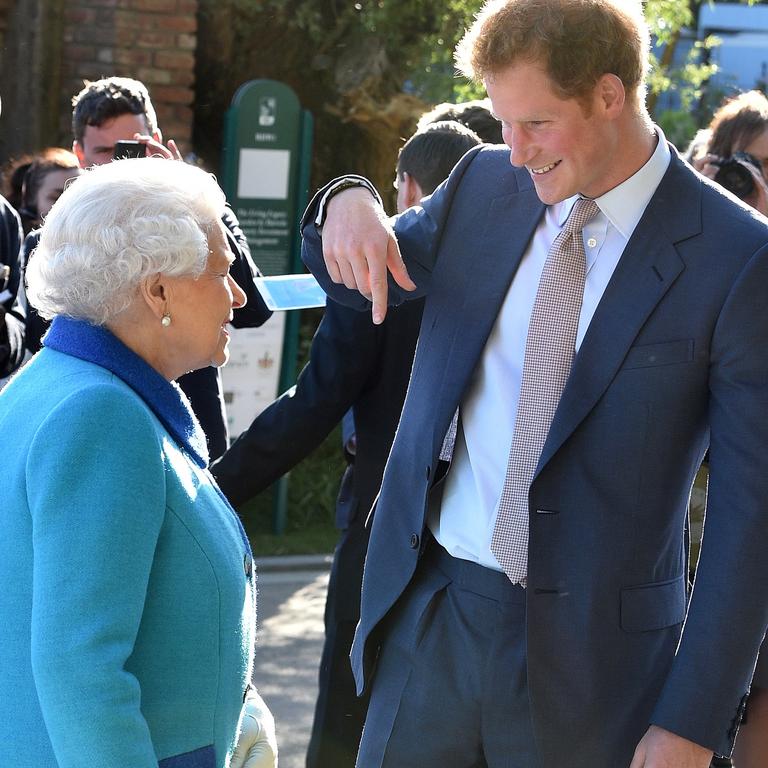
(125, 149)
(732, 174)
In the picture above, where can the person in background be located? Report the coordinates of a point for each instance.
(476, 115)
(12, 317)
(741, 125)
(352, 365)
(736, 153)
(13, 178)
(697, 147)
(11, 309)
(44, 181)
(128, 607)
(11, 237)
(119, 108)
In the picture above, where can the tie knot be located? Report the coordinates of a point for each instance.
(584, 210)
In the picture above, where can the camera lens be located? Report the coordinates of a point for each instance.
(735, 177)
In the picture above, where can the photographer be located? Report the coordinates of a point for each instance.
(736, 156)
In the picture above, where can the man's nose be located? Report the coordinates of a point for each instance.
(516, 138)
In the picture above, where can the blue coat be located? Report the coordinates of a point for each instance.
(128, 603)
(675, 360)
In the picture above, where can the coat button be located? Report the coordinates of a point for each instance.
(248, 565)
(414, 541)
(429, 470)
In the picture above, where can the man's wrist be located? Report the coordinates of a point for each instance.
(338, 186)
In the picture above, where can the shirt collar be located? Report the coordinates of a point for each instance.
(96, 344)
(624, 205)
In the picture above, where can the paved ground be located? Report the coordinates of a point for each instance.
(289, 641)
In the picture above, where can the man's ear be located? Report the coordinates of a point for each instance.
(77, 148)
(610, 95)
(412, 191)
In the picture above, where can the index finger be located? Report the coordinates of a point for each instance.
(377, 278)
(174, 150)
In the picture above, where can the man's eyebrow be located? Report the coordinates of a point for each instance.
(104, 148)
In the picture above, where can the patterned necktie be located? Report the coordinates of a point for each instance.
(549, 352)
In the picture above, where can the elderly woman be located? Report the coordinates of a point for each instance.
(128, 599)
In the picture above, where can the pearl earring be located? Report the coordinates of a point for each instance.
(166, 321)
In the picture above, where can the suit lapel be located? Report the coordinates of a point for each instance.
(647, 269)
(510, 223)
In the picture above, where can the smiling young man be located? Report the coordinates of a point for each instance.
(593, 323)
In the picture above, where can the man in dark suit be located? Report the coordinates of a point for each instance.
(593, 322)
(352, 364)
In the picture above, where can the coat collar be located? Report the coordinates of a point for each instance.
(647, 269)
(510, 219)
(96, 344)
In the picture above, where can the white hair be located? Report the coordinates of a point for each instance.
(115, 225)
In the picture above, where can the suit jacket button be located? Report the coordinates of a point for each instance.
(429, 470)
(414, 541)
(248, 565)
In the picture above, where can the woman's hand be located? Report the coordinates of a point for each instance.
(708, 165)
(257, 743)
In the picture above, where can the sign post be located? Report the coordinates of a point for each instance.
(267, 156)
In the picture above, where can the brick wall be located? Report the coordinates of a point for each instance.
(151, 40)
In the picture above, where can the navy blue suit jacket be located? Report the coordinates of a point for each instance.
(675, 360)
(352, 364)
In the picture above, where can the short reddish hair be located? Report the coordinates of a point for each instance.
(577, 41)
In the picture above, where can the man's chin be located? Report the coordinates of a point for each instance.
(549, 194)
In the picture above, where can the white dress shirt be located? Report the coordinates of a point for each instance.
(464, 525)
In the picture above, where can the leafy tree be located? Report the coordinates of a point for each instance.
(367, 69)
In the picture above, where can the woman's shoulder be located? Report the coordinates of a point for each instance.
(89, 399)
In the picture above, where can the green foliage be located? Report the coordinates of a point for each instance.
(433, 73)
(678, 125)
(686, 80)
(666, 17)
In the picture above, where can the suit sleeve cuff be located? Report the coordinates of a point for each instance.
(345, 182)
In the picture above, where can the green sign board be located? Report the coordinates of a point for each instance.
(267, 155)
(266, 170)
